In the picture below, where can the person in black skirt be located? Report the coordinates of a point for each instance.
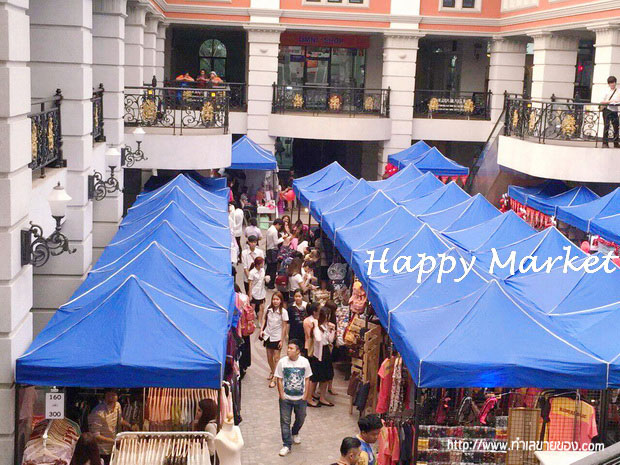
(324, 333)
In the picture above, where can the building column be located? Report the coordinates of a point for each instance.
(109, 69)
(555, 59)
(15, 185)
(135, 25)
(606, 59)
(61, 55)
(150, 47)
(160, 48)
(264, 46)
(506, 71)
(400, 53)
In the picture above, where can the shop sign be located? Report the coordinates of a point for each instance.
(452, 105)
(324, 40)
(54, 405)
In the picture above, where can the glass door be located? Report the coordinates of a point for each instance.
(317, 77)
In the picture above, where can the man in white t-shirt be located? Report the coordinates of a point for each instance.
(292, 373)
(248, 256)
(610, 112)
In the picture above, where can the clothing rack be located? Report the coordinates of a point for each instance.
(168, 447)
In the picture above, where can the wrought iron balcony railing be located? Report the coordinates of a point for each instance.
(97, 99)
(45, 133)
(178, 108)
(237, 97)
(560, 120)
(452, 105)
(338, 100)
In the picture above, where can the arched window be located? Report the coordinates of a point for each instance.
(212, 55)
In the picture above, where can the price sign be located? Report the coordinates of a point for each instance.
(54, 405)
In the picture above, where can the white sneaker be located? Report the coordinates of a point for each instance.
(284, 451)
(296, 439)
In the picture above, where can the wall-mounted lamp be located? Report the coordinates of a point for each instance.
(38, 252)
(98, 188)
(129, 156)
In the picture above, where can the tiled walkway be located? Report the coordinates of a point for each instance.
(322, 432)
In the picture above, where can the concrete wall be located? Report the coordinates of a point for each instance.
(329, 127)
(569, 163)
(451, 129)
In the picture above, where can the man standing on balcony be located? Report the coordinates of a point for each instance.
(611, 100)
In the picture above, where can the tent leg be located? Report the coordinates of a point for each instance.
(416, 421)
(16, 426)
(604, 415)
(298, 210)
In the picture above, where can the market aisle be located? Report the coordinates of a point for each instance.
(322, 432)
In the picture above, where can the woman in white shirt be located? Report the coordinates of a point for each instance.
(256, 286)
(324, 333)
(274, 331)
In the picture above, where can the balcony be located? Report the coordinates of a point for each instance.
(45, 133)
(186, 126)
(237, 96)
(97, 99)
(331, 113)
(177, 108)
(448, 104)
(450, 115)
(557, 139)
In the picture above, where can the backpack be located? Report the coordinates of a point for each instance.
(247, 319)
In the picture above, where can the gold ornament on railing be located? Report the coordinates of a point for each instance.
(207, 112)
(335, 102)
(433, 105)
(34, 140)
(369, 103)
(96, 115)
(515, 118)
(187, 95)
(148, 111)
(298, 101)
(532, 123)
(50, 133)
(469, 106)
(569, 125)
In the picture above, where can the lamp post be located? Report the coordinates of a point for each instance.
(129, 156)
(99, 188)
(38, 252)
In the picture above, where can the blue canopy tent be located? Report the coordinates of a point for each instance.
(248, 155)
(329, 179)
(415, 189)
(469, 213)
(392, 225)
(344, 196)
(500, 230)
(435, 162)
(446, 196)
(561, 291)
(548, 188)
(545, 245)
(208, 198)
(163, 268)
(550, 204)
(358, 210)
(405, 157)
(185, 239)
(137, 336)
(501, 356)
(581, 216)
(401, 178)
(176, 215)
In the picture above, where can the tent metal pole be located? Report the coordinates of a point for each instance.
(416, 421)
(298, 210)
(604, 414)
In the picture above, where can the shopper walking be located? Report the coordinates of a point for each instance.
(272, 246)
(256, 285)
(253, 230)
(238, 225)
(86, 451)
(249, 254)
(323, 333)
(274, 332)
(349, 452)
(292, 373)
(611, 102)
(296, 315)
(370, 427)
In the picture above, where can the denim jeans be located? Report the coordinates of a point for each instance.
(286, 409)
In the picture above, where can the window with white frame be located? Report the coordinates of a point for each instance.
(362, 3)
(460, 5)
